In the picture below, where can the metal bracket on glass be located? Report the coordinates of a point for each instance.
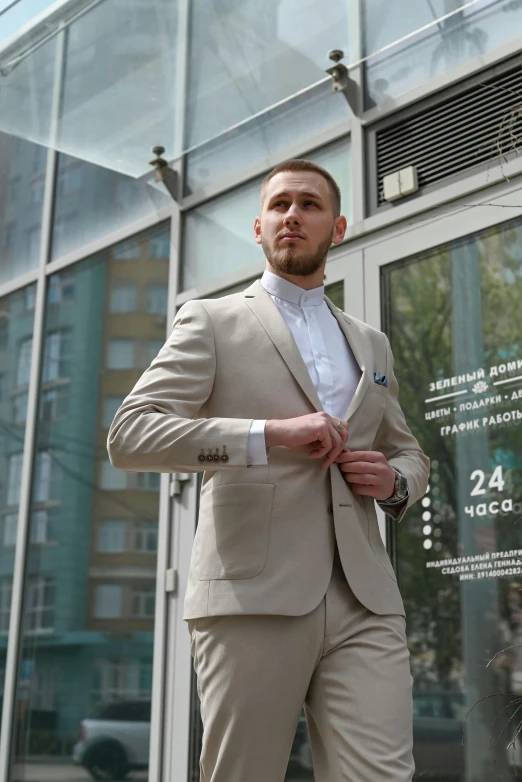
(341, 81)
(165, 174)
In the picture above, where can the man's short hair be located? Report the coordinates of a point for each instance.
(307, 165)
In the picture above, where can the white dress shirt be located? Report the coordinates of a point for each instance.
(328, 357)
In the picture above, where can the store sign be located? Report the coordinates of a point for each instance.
(489, 394)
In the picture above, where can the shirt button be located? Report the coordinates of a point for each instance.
(330, 508)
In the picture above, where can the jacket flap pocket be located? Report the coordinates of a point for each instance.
(233, 535)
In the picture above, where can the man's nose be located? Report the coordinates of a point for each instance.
(292, 216)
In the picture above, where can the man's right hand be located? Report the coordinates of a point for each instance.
(315, 434)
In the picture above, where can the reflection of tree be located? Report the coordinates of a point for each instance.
(424, 330)
(458, 41)
(421, 336)
(500, 258)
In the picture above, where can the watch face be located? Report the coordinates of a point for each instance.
(402, 489)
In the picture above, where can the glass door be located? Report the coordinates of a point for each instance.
(452, 313)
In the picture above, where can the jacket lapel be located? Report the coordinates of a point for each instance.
(273, 323)
(360, 345)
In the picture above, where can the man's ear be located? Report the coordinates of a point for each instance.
(257, 230)
(339, 230)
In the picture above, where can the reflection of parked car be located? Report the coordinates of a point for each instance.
(437, 735)
(114, 739)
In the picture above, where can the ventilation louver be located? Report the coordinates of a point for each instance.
(479, 123)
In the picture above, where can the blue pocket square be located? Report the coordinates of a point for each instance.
(382, 380)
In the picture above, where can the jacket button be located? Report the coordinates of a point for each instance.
(330, 508)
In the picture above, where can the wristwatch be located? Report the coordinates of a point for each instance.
(400, 487)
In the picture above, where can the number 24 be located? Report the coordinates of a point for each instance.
(495, 482)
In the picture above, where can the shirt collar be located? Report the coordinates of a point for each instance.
(283, 289)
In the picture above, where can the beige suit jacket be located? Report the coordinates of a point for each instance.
(266, 535)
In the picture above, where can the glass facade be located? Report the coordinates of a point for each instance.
(239, 86)
(16, 344)
(112, 58)
(272, 135)
(479, 28)
(89, 590)
(91, 202)
(242, 61)
(454, 326)
(22, 173)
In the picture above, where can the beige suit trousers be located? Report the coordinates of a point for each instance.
(347, 665)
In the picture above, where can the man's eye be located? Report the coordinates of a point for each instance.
(310, 202)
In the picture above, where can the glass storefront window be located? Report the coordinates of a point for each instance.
(453, 317)
(219, 235)
(91, 202)
(478, 29)
(88, 630)
(22, 172)
(16, 329)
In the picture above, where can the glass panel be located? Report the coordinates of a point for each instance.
(22, 173)
(16, 328)
(124, 53)
(273, 135)
(242, 60)
(454, 324)
(481, 28)
(226, 224)
(119, 55)
(92, 201)
(14, 14)
(89, 591)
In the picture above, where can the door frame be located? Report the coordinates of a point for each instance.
(464, 217)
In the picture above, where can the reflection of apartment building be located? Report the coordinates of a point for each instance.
(90, 590)
(122, 559)
(23, 177)
(16, 324)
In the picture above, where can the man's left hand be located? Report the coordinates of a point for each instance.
(367, 472)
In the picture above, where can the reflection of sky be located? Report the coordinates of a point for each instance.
(306, 28)
(17, 16)
(389, 20)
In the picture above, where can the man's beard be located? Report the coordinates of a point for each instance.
(290, 261)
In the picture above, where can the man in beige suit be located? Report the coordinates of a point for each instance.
(291, 408)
